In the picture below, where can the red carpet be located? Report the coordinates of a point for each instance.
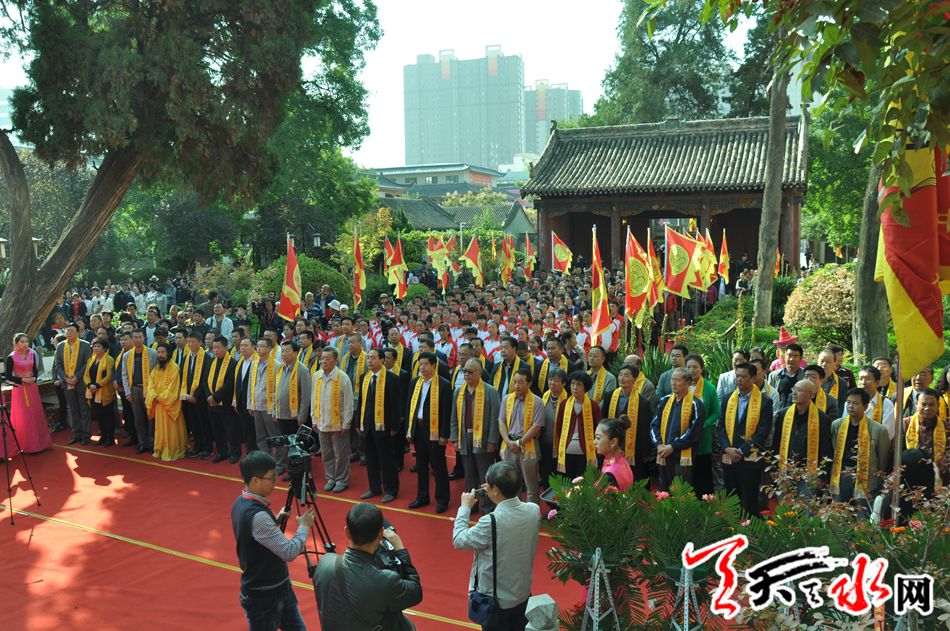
(128, 542)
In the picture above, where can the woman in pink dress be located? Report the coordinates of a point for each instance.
(25, 405)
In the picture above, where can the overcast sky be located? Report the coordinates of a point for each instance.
(563, 41)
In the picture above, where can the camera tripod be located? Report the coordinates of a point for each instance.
(6, 425)
(302, 495)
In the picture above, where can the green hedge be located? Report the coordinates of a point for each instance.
(143, 274)
(313, 274)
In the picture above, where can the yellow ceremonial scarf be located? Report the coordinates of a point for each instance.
(638, 384)
(305, 357)
(686, 412)
(269, 374)
(293, 386)
(130, 363)
(599, 381)
(214, 387)
(379, 419)
(501, 368)
(753, 413)
(697, 390)
(543, 375)
(891, 389)
(478, 411)
(878, 414)
(336, 418)
(587, 414)
(833, 390)
(70, 357)
(360, 363)
(864, 458)
(104, 394)
(547, 396)
(195, 378)
(528, 447)
(811, 458)
(821, 400)
(912, 437)
(633, 411)
(433, 406)
(400, 350)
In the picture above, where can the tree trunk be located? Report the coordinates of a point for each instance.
(771, 200)
(32, 292)
(869, 327)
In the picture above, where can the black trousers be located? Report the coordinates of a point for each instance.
(198, 423)
(399, 443)
(742, 478)
(430, 454)
(546, 462)
(62, 419)
(104, 416)
(574, 465)
(227, 431)
(380, 466)
(248, 433)
(703, 475)
(673, 469)
(512, 619)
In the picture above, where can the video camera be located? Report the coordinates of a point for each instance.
(298, 451)
(385, 554)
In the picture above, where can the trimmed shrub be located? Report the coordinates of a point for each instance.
(143, 274)
(824, 302)
(313, 274)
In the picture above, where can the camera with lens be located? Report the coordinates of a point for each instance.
(385, 554)
(298, 454)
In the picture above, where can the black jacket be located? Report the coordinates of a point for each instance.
(392, 398)
(445, 408)
(365, 597)
(224, 394)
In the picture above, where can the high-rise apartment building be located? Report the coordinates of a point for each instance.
(469, 110)
(544, 103)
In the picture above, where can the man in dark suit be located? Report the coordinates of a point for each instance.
(194, 396)
(556, 357)
(399, 440)
(72, 354)
(224, 424)
(378, 427)
(426, 345)
(745, 422)
(506, 368)
(429, 435)
(618, 402)
(242, 382)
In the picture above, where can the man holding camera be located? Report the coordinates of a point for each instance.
(263, 552)
(504, 542)
(353, 592)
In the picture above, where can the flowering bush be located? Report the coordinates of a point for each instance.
(824, 302)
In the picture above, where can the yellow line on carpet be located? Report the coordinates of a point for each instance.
(203, 560)
(218, 476)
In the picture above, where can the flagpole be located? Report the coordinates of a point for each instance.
(552, 250)
(593, 231)
(898, 431)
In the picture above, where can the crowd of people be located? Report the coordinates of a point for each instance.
(504, 373)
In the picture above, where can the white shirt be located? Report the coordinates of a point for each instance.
(422, 397)
(887, 418)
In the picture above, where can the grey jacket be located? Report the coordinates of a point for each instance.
(59, 363)
(127, 378)
(490, 432)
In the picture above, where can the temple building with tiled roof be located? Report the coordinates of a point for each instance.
(624, 175)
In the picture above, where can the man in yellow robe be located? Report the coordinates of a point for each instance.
(164, 405)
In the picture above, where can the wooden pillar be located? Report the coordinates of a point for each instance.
(544, 239)
(616, 239)
(705, 218)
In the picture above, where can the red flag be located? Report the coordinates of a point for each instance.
(470, 258)
(680, 251)
(290, 292)
(910, 260)
(530, 260)
(637, 280)
(600, 311)
(359, 272)
(724, 258)
(561, 255)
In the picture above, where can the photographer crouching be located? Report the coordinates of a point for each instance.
(263, 551)
(370, 585)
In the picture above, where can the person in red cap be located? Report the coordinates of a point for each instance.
(784, 339)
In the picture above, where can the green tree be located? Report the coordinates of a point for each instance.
(836, 180)
(679, 71)
(186, 92)
(484, 197)
(890, 55)
(747, 87)
(373, 228)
